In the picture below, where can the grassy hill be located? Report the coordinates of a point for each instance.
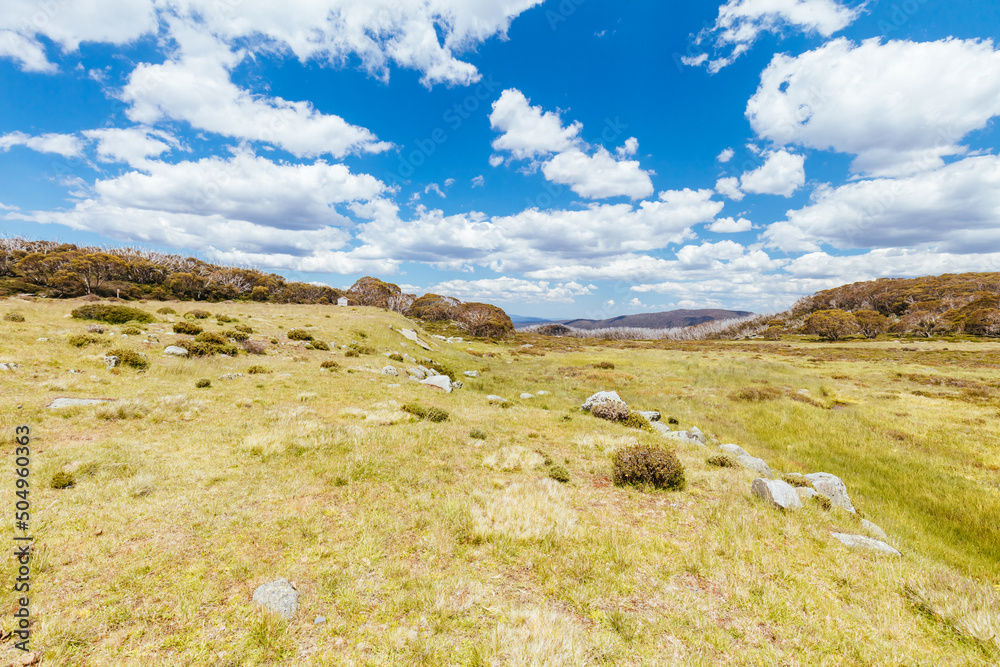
(665, 320)
(442, 543)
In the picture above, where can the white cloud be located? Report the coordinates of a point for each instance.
(478, 181)
(67, 145)
(628, 149)
(729, 187)
(506, 289)
(899, 107)
(888, 262)
(781, 174)
(730, 226)
(527, 131)
(636, 302)
(740, 23)
(129, 145)
(599, 175)
(955, 208)
(26, 50)
(726, 155)
(448, 182)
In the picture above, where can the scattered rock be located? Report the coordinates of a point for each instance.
(493, 398)
(759, 466)
(805, 493)
(527, 395)
(650, 415)
(457, 384)
(542, 393)
(660, 427)
(71, 402)
(410, 334)
(602, 397)
(175, 351)
(439, 381)
(735, 450)
(862, 542)
(319, 620)
(874, 530)
(416, 373)
(778, 493)
(697, 434)
(683, 436)
(439, 337)
(832, 487)
(10, 366)
(112, 361)
(278, 597)
(42, 340)
(230, 376)
(471, 374)
(408, 359)
(390, 370)
(454, 339)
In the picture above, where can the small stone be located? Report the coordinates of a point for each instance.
(175, 350)
(42, 340)
(661, 428)
(390, 370)
(697, 434)
(832, 487)
(319, 620)
(650, 415)
(542, 393)
(98, 532)
(759, 466)
(457, 384)
(416, 373)
(471, 374)
(874, 530)
(776, 492)
(527, 395)
(601, 397)
(735, 450)
(438, 381)
(230, 376)
(683, 436)
(862, 542)
(493, 398)
(278, 597)
(112, 362)
(10, 366)
(72, 402)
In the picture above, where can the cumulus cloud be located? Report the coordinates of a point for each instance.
(740, 23)
(898, 106)
(511, 290)
(781, 174)
(730, 226)
(599, 175)
(26, 50)
(67, 145)
(729, 187)
(478, 181)
(129, 145)
(527, 131)
(726, 155)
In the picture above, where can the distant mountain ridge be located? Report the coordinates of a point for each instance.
(665, 320)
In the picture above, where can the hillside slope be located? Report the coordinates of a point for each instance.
(664, 320)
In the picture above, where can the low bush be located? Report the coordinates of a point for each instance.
(257, 370)
(225, 319)
(823, 501)
(187, 328)
(797, 479)
(130, 358)
(559, 473)
(330, 365)
(211, 337)
(318, 345)
(238, 336)
(197, 314)
(477, 434)
(83, 340)
(203, 383)
(299, 334)
(112, 314)
(131, 330)
(351, 353)
(431, 414)
(202, 349)
(606, 365)
(62, 480)
(672, 420)
(244, 328)
(755, 394)
(167, 310)
(362, 349)
(254, 346)
(611, 410)
(13, 317)
(395, 356)
(95, 329)
(642, 465)
(635, 420)
(723, 461)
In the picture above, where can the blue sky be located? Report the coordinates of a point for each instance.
(581, 158)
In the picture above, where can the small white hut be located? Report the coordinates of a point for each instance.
(342, 301)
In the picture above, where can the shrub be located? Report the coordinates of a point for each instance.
(361, 349)
(197, 314)
(559, 473)
(254, 346)
(755, 394)
(62, 480)
(130, 358)
(415, 409)
(831, 324)
(244, 328)
(225, 319)
(436, 415)
(395, 356)
(796, 479)
(330, 365)
(111, 314)
(641, 465)
(211, 337)
(203, 383)
(635, 420)
(95, 328)
(167, 310)
(299, 334)
(611, 410)
(432, 307)
(318, 345)
(187, 328)
(823, 501)
(13, 317)
(483, 319)
(553, 330)
(83, 340)
(132, 330)
(351, 353)
(257, 370)
(200, 349)
(723, 461)
(477, 434)
(238, 336)
(672, 420)
(607, 365)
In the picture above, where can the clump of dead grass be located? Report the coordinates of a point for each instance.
(514, 457)
(527, 511)
(970, 609)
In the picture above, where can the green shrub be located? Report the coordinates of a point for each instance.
(672, 420)
(130, 358)
(559, 473)
(476, 434)
(415, 409)
(254, 346)
(299, 334)
(613, 411)
(167, 310)
(395, 356)
(112, 314)
(238, 336)
(201, 349)
(641, 465)
(13, 317)
(797, 479)
(755, 394)
(318, 345)
(187, 328)
(211, 337)
(203, 383)
(330, 365)
(362, 349)
(607, 365)
(62, 480)
(83, 340)
(351, 353)
(244, 328)
(635, 420)
(431, 414)
(197, 314)
(225, 319)
(723, 461)
(823, 501)
(360, 334)
(436, 415)
(132, 330)
(257, 370)
(274, 341)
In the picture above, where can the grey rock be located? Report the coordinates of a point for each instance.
(697, 434)
(660, 428)
(874, 530)
(527, 395)
(410, 334)
(390, 370)
(278, 597)
(862, 542)
(805, 493)
(493, 398)
(416, 373)
(735, 450)
(650, 415)
(319, 620)
(602, 397)
(832, 487)
(542, 393)
(438, 381)
(759, 466)
(454, 339)
(408, 359)
(71, 402)
(471, 374)
(457, 384)
(682, 436)
(175, 351)
(438, 336)
(776, 492)
(9, 366)
(112, 361)
(230, 376)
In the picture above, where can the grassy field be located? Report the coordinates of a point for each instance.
(447, 543)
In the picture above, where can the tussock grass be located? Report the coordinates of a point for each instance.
(514, 457)
(535, 510)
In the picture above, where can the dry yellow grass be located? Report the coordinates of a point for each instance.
(186, 499)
